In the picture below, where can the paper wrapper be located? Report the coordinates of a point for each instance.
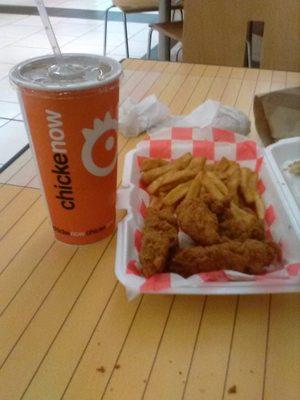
(213, 144)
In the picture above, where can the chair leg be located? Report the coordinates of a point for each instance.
(105, 29)
(177, 54)
(181, 13)
(173, 15)
(126, 34)
(149, 43)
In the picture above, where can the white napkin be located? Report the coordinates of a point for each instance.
(135, 117)
(152, 115)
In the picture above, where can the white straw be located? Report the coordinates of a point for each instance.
(48, 28)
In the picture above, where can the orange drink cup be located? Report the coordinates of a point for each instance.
(71, 114)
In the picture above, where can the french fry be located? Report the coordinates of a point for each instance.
(218, 183)
(240, 213)
(259, 206)
(252, 182)
(178, 164)
(233, 182)
(195, 187)
(232, 167)
(152, 174)
(150, 163)
(155, 202)
(197, 163)
(177, 193)
(182, 162)
(222, 165)
(247, 183)
(169, 178)
(210, 167)
(212, 189)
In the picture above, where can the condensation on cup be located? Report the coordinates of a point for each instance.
(71, 114)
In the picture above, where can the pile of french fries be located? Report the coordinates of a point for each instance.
(170, 182)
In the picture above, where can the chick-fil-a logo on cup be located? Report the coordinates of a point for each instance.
(91, 137)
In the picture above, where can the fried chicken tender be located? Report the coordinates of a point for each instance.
(218, 207)
(196, 220)
(159, 240)
(240, 224)
(250, 256)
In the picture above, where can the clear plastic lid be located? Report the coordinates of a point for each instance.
(71, 72)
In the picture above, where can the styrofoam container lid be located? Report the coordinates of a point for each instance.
(279, 156)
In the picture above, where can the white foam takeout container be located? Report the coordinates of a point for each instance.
(287, 230)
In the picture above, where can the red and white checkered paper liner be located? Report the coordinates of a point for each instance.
(213, 144)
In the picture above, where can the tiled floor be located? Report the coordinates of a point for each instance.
(22, 37)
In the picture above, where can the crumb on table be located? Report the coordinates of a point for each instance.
(232, 389)
(101, 369)
(117, 366)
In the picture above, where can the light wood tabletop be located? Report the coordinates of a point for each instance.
(67, 330)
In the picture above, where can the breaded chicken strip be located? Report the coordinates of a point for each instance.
(250, 256)
(240, 224)
(197, 221)
(159, 239)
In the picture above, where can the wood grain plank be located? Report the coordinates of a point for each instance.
(16, 209)
(141, 65)
(251, 74)
(224, 72)
(211, 71)
(208, 368)
(126, 75)
(174, 85)
(161, 84)
(20, 232)
(231, 91)
(126, 63)
(247, 358)
(169, 372)
(34, 183)
(172, 68)
(238, 73)
(62, 357)
(217, 88)
(183, 69)
(199, 94)
(31, 296)
(18, 271)
(24, 175)
(131, 84)
(277, 86)
(160, 66)
(279, 76)
(87, 382)
(293, 79)
(197, 70)
(140, 91)
(15, 166)
(244, 100)
(184, 94)
(7, 193)
(264, 75)
(52, 291)
(283, 352)
(139, 349)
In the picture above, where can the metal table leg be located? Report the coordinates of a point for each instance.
(164, 42)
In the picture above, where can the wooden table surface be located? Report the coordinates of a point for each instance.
(67, 330)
